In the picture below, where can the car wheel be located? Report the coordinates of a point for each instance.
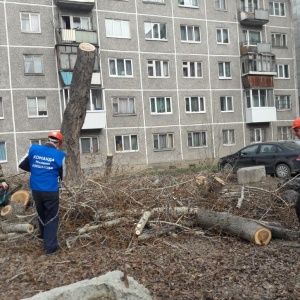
(227, 168)
(282, 170)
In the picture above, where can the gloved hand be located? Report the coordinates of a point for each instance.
(4, 185)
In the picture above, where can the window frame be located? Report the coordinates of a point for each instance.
(92, 140)
(187, 29)
(221, 5)
(188, 5)
(228, 137)
(223, 70)
(1, 109)
(36, 99)
(287, 101)
(32, 56)
(167, 106)
(152, 64)
(42, 141)
(125, 61)
(188, 69)
(169, 141)
(30, 15)
(247, 40)
(272, 9)
(151, 30)
(191, 137)
(257, 135)
(284, 69)
(130, 140)
(282, 40)
(201, 103)
(4, 150)
(116, 106)
(226, 100)
(284, 131)
(124, 35)
(222, 42)
(71, 22)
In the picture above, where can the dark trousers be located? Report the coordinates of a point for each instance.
(47, 205)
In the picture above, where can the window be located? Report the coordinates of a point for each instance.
(284, 133)
(259, 98)
(120, 67)
(283, 102)
(126, 143)
(163, 141)
(89, 145)
(257, 135)
(279, 40)
(68, 56)
(37, 106)
(276, 9)
(95, 101)
(72, 22)
(220, 4)
(160, 105)
(155, 31)
(30, 22)
(123, 106)
(197, 139)
(192, 69)
(155, 1)
(228, 137)
(117, 28)
(190, 3)
(224, 70)
(251, 37)
(190, 33)
(39, 141)
(258, 62)
(194, 104)
(249, 5)
(283, 71)
(1, 109)
(222, 36)
(3, 157)
(226, 103)
(33, 64)
(158, 68)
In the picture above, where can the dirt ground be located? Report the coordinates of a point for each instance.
(185, 263)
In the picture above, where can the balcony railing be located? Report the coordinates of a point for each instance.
(76, 36)
(95, 119)
(260, 114)
(252, 17)
(76, 4)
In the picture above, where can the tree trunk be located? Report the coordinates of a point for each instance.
(75, 111)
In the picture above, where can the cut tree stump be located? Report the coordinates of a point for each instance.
(21, 197)
(210, 184)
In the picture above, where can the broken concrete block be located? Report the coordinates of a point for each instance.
(251, 174)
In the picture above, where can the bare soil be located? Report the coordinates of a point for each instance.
(187, 263)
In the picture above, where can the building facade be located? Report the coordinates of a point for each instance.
(175, 82)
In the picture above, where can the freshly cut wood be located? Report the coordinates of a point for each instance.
(235, 225)
(142, 222)
(14, 208)
(6, 211)
(210, 184)
(21, 197)
(111, 223)
(7, 228)
(241, 199)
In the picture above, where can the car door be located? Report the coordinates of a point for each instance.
(247, 157)
(267, 156)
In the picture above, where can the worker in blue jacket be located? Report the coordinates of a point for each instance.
(45, 163)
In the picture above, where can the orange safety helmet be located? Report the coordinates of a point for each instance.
(55, 136)
(296, 123)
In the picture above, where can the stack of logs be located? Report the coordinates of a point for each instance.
(10, 216)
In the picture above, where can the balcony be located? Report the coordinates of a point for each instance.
(254, 17)
(255, 48)
(260, 114)
(66, 78)
(95, 119)
(71, 36)
(86, 5)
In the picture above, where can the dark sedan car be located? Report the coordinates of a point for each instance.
(279, 158)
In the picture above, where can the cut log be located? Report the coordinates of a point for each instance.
(234, 225)
(241, 199)
(210, 184)
(108, 165)
(142, 222)
(21, 197)
(7, 228)
(14, 208)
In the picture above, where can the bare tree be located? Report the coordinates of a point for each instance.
(75, 111)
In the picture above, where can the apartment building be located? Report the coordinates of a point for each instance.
(175, 82)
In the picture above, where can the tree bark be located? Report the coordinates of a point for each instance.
(27, 228)
(75, 111)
